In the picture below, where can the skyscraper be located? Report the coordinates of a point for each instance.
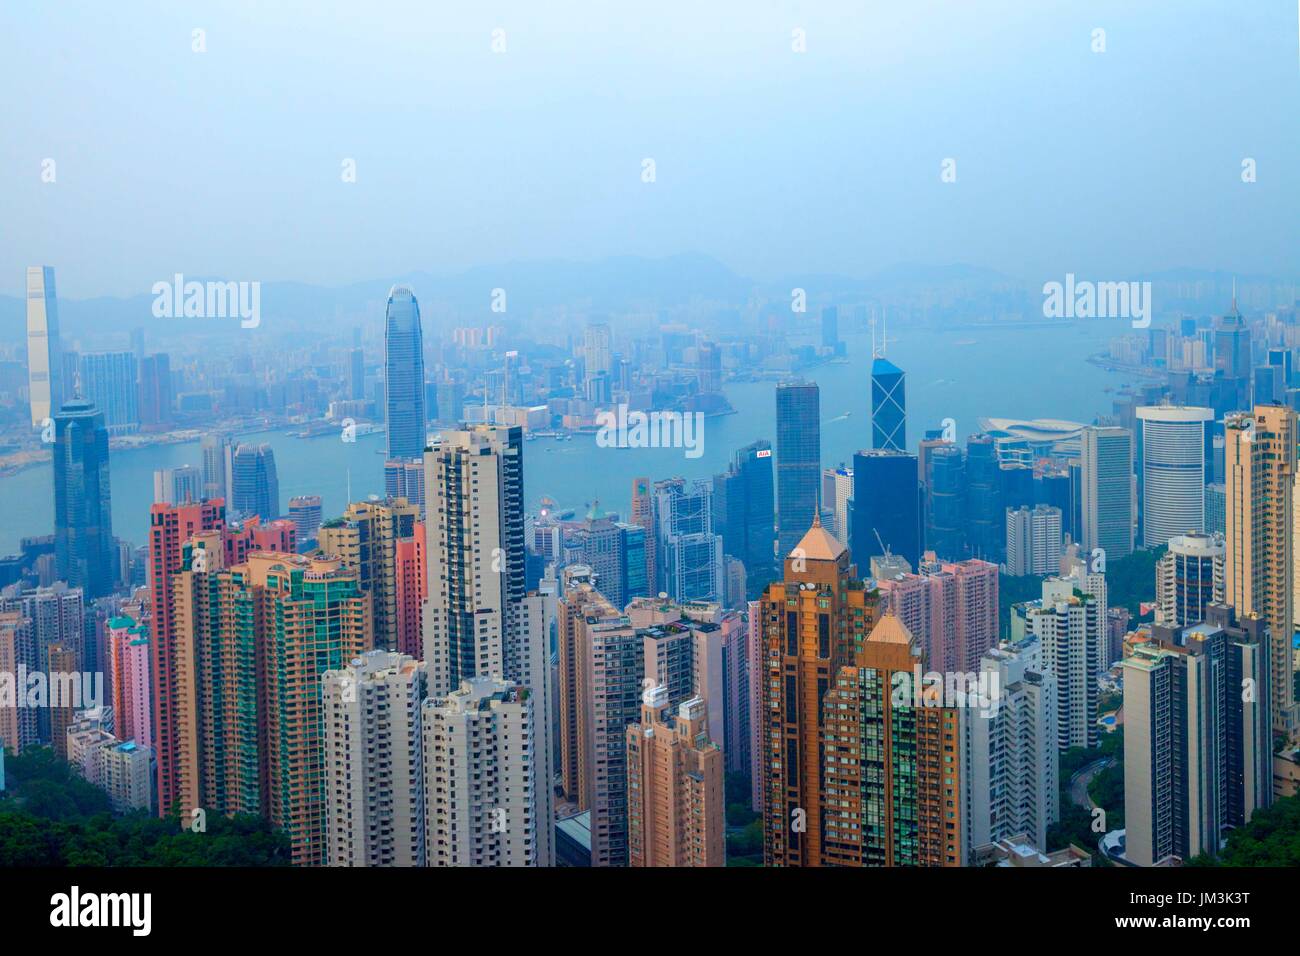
(178, 485)
(1010, 750)
(886, 507)
(676, 812)
(83, 516)
(831, 328)
(218, 481)
(689, 553)
(218, 709)
(18, 724)
(1216, 512)
(374, 761)
(1175, 448)
(315, 619)
(888, 406)
(170, 527)
(837, 501)
(1107, 477)
(602, 665)
(744, 505)
(1232, 355)
(109, 381)
(813, 620)
(950, 610)
(892, 761)
(945, 501)
(486, 799)
(129, 681)
(412, 590)
(1189, 578)
(597, 362)
(405, 479)
(798, 460)
(256, 486)
(682, 648)
(641, 513)
(1259, 564)
(305, 513)
(1033, 540)
(366, 538)
(480, 620)
(615, 552)
(1070, 626)
(155, 389)
(984, 506)
(475, 539)
(356, 374)
(44, 351)
(404, 375)
(1197, 749)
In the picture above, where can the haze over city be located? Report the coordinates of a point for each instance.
(228, 163)
(602, 437)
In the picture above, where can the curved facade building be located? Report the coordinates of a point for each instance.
(1174, 447)
(1189, 578)
(404, 375)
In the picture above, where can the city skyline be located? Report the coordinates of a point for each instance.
(595, 438)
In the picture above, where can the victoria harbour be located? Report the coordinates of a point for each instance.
(1036, 371)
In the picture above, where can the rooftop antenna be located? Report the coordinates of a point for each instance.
(1234, 295)
(349, 471)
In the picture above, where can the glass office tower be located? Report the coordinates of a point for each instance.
(798, 460)
(404, 375)
(83, 517)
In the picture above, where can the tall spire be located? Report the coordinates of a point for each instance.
(1234, 295)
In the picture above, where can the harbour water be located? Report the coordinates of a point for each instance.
(963, 374)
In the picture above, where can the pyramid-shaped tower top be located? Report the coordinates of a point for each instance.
(818, 544)
(890, 630)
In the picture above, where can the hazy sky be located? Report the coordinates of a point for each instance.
(228, 162)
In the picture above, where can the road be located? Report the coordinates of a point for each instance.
(1082, 778)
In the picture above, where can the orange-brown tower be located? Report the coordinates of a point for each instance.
(814, 622)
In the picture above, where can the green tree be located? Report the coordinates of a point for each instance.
(51, 817)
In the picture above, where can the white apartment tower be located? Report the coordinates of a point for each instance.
(479, 619)
(1189, 578)
(1033, 540)
(482, 779)
(374, 786)
(837, 500)
(1011, 749)
(1070, 624)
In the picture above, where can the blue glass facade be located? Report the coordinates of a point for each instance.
(404, 375)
